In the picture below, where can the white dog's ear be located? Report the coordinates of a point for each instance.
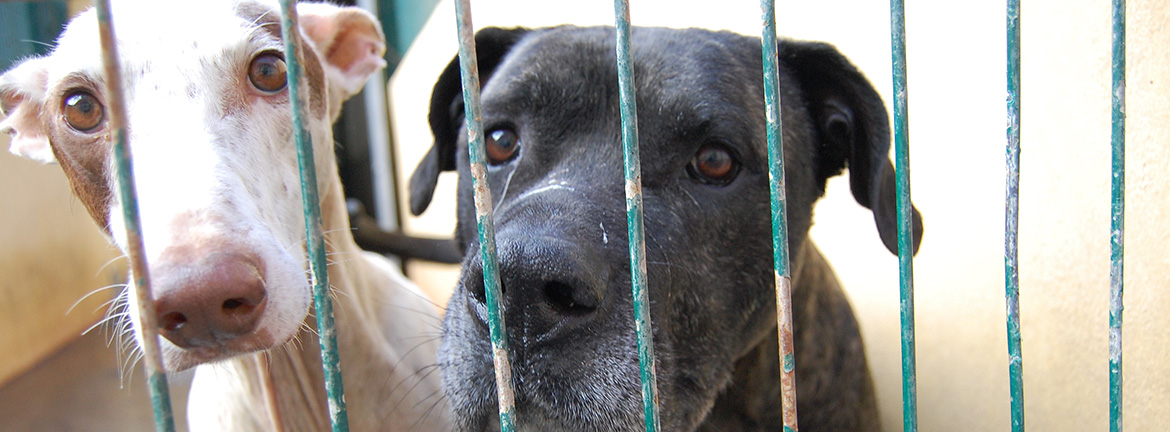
(349, 40)
(22, 94)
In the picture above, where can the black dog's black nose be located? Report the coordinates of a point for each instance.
(546, 283)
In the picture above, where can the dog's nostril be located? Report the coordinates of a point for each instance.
(172, 321)
(242, 306)
(565, 299)
(479, 295)
(233, 304)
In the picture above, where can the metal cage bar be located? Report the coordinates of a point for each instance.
(634, 221)
(1117, 218)
(779, 214)
(469, 68)
(1011, 228)
(157, 381)
(160, 398)
(327, 332)
(905, 227)
(156, 378)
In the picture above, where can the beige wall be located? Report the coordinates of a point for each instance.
(957, 90)
(51, 255)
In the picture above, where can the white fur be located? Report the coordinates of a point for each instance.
(214, 168)
(192, 157)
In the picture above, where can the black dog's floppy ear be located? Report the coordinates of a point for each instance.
(853, 128)
(446, 112)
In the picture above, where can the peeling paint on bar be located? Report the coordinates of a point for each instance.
(500, 361)
(643, 328)
(156, 379)
(1011, 228)
(787, 353)
(469, 68)
(776, 182)
(1117, 219)
(905, 227)
(482, 206)
(315, 239)
(634, 187)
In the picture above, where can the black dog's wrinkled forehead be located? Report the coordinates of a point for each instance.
(558, 87)
(689, 82)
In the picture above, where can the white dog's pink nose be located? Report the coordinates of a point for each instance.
(209, 300)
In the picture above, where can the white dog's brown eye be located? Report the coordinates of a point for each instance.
(501, 145)
(268, 73)
(713, 164)
(82, 111)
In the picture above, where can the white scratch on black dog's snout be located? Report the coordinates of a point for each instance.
(604, 235)
(549, 183)
(562, 185)
(692, 197)
(507, 183)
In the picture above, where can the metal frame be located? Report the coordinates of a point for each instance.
(157, 380)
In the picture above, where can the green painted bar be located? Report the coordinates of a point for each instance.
(779, 214)
(1117, 218)
(905, 229)
(1011, 229)
(634, 221)
(327, 332)
(156, 379)
(469, 68)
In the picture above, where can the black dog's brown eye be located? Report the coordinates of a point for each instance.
(268, 73)
(713, 164)
(82, 111)
(501, 145)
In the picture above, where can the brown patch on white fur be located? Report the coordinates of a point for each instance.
(314, 75)
(262, 17)
(267, 20)
(33, 115)
(85, 157)
(202, 229)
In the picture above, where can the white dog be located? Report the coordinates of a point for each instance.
(215, 162)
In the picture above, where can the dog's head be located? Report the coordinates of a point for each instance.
(552, 131)
(214, 156)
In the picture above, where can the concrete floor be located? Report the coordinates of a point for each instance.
(79, 389)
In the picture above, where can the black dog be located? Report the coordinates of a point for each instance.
(550, 110)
